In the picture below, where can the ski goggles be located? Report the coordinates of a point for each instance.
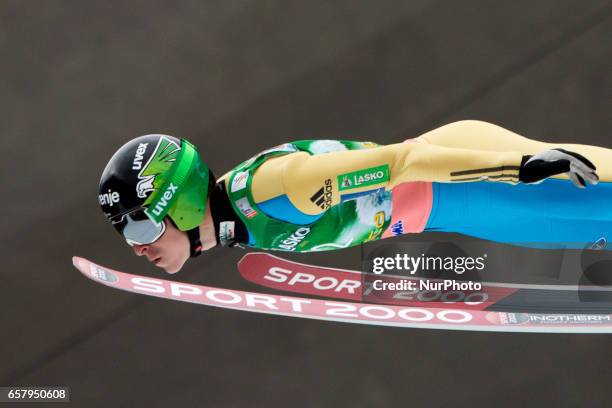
(145, 225)
(137, 228)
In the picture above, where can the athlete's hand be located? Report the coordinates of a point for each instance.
(579, 169)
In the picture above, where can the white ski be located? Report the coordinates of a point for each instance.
(348, 312)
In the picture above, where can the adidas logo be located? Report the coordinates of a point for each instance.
(323, 197)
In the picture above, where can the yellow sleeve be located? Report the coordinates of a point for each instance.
(476, 134)
(301, 176)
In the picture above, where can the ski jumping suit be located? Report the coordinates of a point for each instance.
(463, 177)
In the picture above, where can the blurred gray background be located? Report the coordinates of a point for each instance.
(79, 78)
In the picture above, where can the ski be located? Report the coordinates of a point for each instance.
(277, 273)
(346, 311)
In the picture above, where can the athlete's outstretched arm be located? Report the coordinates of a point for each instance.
(300, 175)
(480, 135)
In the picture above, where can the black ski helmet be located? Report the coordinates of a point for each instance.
(154, 176)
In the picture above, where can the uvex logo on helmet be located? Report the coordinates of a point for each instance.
(161, 160)
(163, 202)
(140, 151)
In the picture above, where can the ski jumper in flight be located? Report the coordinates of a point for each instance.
(468, 177)
(462, 177)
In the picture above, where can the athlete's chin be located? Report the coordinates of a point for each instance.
(172, 267)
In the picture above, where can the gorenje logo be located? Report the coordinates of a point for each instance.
(140, 151)
(363, 178)
(323, 197)
(110, 198)
(290, 243)
(161, 204)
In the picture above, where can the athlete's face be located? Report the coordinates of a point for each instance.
(169, 252)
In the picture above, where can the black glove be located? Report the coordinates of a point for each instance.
(579, 169)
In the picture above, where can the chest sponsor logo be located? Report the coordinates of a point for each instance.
(290, 243)
(245, 207)
(240, 181)
(323, 197)
(226, 232)
(363, 178)
(111, 198)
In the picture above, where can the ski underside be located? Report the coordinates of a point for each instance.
(493, 307)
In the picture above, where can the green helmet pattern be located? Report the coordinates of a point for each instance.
(161, 174)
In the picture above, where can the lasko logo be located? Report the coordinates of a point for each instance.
(290, 243)
(323, 197)
(163, 202)
(363, 178)
(110, 198)
(140, 151)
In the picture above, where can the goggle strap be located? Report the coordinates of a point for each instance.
(195, 245)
